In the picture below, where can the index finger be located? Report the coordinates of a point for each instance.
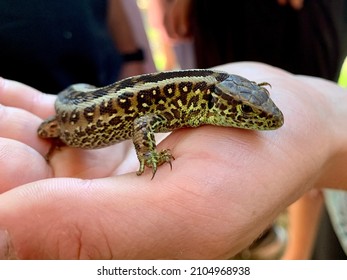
(16, 94)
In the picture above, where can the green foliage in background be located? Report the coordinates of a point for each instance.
(343, 75)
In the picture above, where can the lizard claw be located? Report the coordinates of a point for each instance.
(154, 159)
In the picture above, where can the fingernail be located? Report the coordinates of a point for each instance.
(6, 252)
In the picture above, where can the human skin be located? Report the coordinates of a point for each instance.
(226, 185)
(124, 36)
(177, 15)
(303, 223)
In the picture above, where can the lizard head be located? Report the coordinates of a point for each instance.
(238, 102)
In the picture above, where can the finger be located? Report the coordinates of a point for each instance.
(20, 164)
(18, 95)
(181, 13)
(297, 4)
(169, 22)
(21, 125)
(84, 219)
(176, 19)
(282, 2)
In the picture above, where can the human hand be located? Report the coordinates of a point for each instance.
(226, 185)
(176, 18)
(296, 4)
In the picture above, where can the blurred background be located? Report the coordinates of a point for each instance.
(52, 44)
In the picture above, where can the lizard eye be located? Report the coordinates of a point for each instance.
(246, 109)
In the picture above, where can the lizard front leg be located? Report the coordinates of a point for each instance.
(145, 145)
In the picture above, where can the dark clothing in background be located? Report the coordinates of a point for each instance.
(327, 246)
(303, 42)
(52, 44)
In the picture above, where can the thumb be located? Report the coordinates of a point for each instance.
(47, 219)
(20, 164)
(66, 218)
